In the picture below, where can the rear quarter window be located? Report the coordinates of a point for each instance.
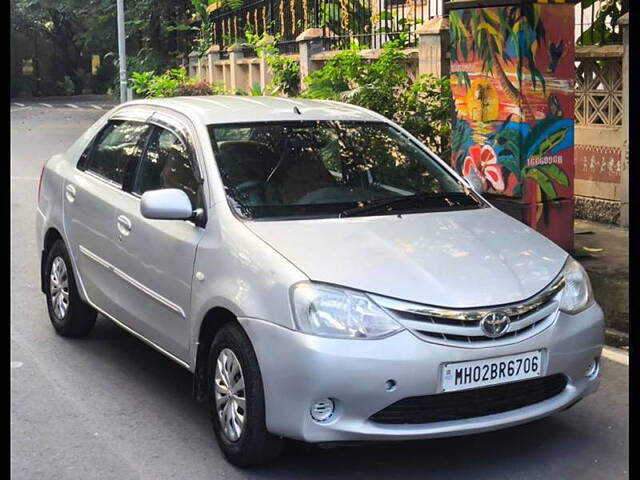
(117, 149)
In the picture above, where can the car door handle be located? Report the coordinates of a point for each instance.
(70, 193)
(124, 225)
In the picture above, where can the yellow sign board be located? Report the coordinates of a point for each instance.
(27, 66)
(95, 63)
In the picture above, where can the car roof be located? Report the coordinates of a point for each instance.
(220, 109)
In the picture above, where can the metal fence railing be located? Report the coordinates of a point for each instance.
(374, 22)
(370, 22)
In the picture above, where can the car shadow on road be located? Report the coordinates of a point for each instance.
(520, 450)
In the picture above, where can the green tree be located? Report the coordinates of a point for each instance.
(59, 23)
(81, 28)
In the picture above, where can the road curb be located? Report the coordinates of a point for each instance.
(616, 355)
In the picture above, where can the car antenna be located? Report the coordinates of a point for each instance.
(297, 110)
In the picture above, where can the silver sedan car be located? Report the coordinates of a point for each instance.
(323, 275)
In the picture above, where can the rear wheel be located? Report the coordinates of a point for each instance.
(236, 400)
(69, 315)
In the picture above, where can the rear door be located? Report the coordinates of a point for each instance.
(156, 257)
(88, 204)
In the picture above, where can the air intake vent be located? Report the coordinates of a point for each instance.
(472, 403)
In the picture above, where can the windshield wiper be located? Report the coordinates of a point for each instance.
(447, 200)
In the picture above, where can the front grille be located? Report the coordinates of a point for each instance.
(473, 339)
(461, 327)
(472, 403)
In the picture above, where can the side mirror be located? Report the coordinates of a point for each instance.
(476, 183)
(167, 204)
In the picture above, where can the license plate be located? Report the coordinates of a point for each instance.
(491, 371)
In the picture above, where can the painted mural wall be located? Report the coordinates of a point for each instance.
(512, 76)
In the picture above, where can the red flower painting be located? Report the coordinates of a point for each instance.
(483, 163)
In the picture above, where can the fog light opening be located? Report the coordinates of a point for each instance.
(592, 369)
(323, 410)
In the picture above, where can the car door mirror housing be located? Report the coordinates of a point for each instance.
(166, 204)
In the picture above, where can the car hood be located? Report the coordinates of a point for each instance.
(458, 259)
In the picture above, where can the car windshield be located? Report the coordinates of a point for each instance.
(330, 168)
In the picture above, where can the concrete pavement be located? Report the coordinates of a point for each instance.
(96, 102)
(109, 407)
(603, 250)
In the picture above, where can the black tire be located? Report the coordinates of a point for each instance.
(255, 445)
(79, 318)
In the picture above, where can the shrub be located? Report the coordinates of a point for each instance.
(169, 84)
(285, 75)
(425, 110)
(140, 81)
(194, 89)
(146, 60)
(173, 83)
(424, 107)
(339, 75)
(66, 86)
(285, 72)
(202, 87)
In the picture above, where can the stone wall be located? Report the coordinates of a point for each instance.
(239, 72)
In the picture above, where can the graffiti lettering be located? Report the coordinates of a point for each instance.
(547, 159)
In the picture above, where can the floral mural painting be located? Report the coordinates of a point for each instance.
(482, 162)
(512, 77)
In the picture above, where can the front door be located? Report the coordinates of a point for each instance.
(155, 258)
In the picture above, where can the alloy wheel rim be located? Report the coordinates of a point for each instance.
(59, 288)
(230, 394)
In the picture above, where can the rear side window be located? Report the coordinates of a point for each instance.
(117, 149)
(167, 164)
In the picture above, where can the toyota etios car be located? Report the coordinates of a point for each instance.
(324, 275)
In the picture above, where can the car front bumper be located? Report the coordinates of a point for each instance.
(299, 369)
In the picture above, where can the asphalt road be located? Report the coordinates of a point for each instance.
(109, 407)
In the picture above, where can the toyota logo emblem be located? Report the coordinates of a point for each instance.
(495, 324)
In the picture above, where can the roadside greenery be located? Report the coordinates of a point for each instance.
(162, 32)
(285, 72)
(174, 82)
(423, 107)
(66, 87)
(63, 35)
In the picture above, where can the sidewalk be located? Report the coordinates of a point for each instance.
(603, 250)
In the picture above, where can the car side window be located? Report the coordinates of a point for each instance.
(167, 164)
(117, 150)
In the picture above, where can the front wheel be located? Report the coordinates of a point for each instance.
(236, 400)
(69, 315)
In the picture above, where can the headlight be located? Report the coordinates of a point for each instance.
(576, 294)
(335, 312)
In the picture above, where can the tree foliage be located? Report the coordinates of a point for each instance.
(78, 29)
(423, 107)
